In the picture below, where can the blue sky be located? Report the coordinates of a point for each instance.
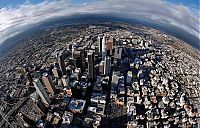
(14, 3)
(190, 3)
(15, 18)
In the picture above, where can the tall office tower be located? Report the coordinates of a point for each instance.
(61, 58)
(73, 49)
(90, 65)
(99, 39)
(110, 45)
(101, 67)
(55, 72)
(82, 49)
(77, 59)
(104, 49)
(115, 42)
(41, 91)
(118, 53)
(47, 80)
(107, 65)
(65, 80)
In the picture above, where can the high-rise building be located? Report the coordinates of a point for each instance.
(41, 91)
(104, 49)
(107, 64)
(118, 53)
(55, 72)
(77, 59)
(82, 49)
(61, 62)
(101, 67)
(47, 80)
(110, 45)
(99, 39)
(90, 65)
(65, 80)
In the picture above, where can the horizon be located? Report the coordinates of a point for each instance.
(181, 14)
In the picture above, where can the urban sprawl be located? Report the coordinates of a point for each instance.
(111, 75)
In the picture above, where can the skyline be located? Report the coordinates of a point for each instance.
(14, 20)
(99, 63)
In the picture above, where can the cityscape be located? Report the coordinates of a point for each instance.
(108, 74)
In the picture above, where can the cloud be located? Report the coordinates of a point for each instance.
(18, 19)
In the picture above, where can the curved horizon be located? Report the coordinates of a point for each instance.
(15, 20)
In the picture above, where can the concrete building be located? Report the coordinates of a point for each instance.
(104, 49)
(101, 67)
(77, 105)
(67, 119)
(61, 58)
(41, 91)
(90, 65)
(118, 53)
(110, 45)
(55, 72)
(65, 80)
(47, 80)
(107, 65)
(99, 39)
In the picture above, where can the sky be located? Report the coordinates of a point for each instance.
(18, 15)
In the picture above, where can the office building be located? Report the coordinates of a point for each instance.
(61, 61)
(99, 39)
(104, 49)
(47, 80)
(82, 49)
(107, 65)
(73, 49)
(110, 45)
(55, 72)
(101, 67)
(77, 105)
(90, 65)
(65, 80)
(118, 53)
(41, 91)
(77, 59)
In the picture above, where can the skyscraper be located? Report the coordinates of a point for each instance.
(118, 53)
(55, 72)
(101, 67)
(90, 65)
(47, 80)
(99, 39)
(107, 65)
(61, 62)
(104, 49)
(110, 45)
(65, 80)
(41, 91)
(77, 59)
(82, 49)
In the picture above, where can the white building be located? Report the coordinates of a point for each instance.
(41, 91)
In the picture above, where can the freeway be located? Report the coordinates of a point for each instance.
(16, 107)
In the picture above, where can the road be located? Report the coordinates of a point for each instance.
(16, 107)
